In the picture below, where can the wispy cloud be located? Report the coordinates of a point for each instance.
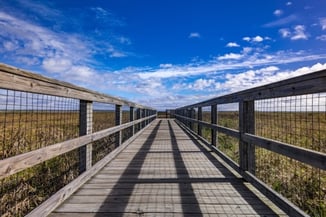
(321, 37)
(257, 38)
(323, 23)
(231, 61)
(282, 21)
(232, 44)
(278, 12)
(298, 33)
(230, 56)
(285, 33)
(194, 35)
(289, 3)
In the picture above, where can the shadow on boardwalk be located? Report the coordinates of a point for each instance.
(119, 197)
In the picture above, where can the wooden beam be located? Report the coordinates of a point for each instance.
(305, 84)
(118, 121)
(55, 200)
(15, 164)
(247, 125)
(34, 83)
(85, 127)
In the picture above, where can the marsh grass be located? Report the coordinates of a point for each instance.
(24, 131)
(301, 184)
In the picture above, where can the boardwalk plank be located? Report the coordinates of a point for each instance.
(166, 173)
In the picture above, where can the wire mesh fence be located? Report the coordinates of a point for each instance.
(299, 121)
(30, 121)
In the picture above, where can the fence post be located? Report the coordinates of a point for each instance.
(200, 118)
(118, 121)
(192, 116)
(213, 121)
(131, 119)
(85, 127)
(247, 125)
(138, 117)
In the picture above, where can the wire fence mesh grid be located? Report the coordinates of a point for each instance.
(30, 121)
(299, 121)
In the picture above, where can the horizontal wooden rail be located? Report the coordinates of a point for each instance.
(310, 157)
(306, 84)
(55, 200)
(225, 130)
(15, 164)
(34, 83)
(310, 87)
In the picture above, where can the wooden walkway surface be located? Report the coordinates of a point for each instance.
(166, 172)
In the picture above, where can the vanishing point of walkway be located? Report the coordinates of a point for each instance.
(166, 172)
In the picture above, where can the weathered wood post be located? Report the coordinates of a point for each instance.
(200, 118)
(131, 119)
(138, 114)
(247, 125)
(85, 127)
(192, 116)
(213, 121)
(118, 121)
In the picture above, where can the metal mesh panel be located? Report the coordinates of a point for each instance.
(299, 121)
(206, 132)
(28, 122)
(103, 116)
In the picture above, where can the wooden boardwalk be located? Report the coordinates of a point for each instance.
(166, 172)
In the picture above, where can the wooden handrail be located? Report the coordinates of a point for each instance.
(35, 83)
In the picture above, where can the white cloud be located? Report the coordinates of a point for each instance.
(166, 65)
(254, 39)
(230, 56)
(201, 84)
(321, 37)
(323, 23)
(257, 39)
(282, 21)
(194, 35)
(56, 64)
(253, 78)
(278, 12)
(246, 39)
(299, 33)
(289, 3)
(285, 33)
(232, 44)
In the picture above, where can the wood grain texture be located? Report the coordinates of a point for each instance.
(165, 172)
(12, 165)
(34, 83)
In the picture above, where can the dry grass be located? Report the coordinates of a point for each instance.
(303, 185)
(25, 131)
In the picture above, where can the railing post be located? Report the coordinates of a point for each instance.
(118, 121)
(213, 121)
(138, 114)
(247, 125)
(131, 119)
(192, 116)
(85, 127)
(200, 118)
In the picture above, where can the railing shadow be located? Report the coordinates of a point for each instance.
(238, 184)
(189, 201)
(131, 173)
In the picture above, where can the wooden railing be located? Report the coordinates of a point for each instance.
(279, 138)
(48, 139)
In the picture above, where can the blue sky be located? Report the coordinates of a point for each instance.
(164, 53)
